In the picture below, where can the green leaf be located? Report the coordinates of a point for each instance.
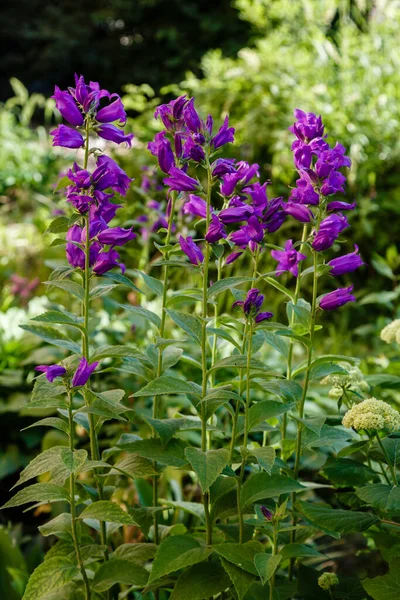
(62, 183)
(123, 280)
(56, 316)
(136, 552)
(118, 570)
(52, 336)
(135, 466)
(385, 587)
(241, 555)
(58, 225)
(345, 471)
(266, 409)
(71, 287)
(242, 580)
(238, 361)
(261, 486)
(226, 283)
(221, 333)
(280, 287)
(265, 456)
(48, 577)
(172, 454)
(376, 495)
(177, 552)
(189, 323)
(154, 284)
(336, 520)
(105, 510)
(73, 460)
(201, 581)
(60, 526)
(288, 391)
(299, 551)
(44, 389)
(50, 422)
(101, 290)
(217, 398)
(146, 314)
(207, 465)
(43, 463)
(167, 385)
(166, 428)
(170, 357)
(266, 565)
(38, 492)
(113, 352)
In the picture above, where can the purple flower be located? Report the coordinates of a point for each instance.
(222, 166)
(329, 231)
(224, 136)
(80, 201)
(118, 180)
(229, 182)
(161, 148)
(252, 304)
(331, 159)
(192, 251)
(252, 232)
(337, 298)
(192, 119)
(105, 261)
(193, 151)
(171, 114)
(247, 171)
(51, 371)
(263, 316)
(114, 134)
(334, 184)
(346, 263)
(308, 125)
(83, 372)
(196, 206)
(266, 513)
(304, 192)
(235, 214)
(113, 112)
(274, 215)
(181, 182)
(75, 255)
(302, 155)
(66, 105)
(298, 211)
(66, 137)
(288, 259)
(106, 211)
(232, 257)
(338, 205)
(216, 230)
(115, 236)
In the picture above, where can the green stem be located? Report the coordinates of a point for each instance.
(291, 343)
(73, 506)
(385, 454)
(274, 552)
(215, 339)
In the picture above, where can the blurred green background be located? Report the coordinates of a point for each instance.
(256, 60)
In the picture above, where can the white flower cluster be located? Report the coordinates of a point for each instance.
(391, 333)
(353, 379)
(373, 415)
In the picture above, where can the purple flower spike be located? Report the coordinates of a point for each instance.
(114, 134)
(266, 513)
(288, 259)
(346, 263)
(66, 105)
(115, 236)
(338, 298)
(83, 372)
(216, 230)
(66, 137)
(180, 182)
(51, 371)
(224, 136)
(192, 251)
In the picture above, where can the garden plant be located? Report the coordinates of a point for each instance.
(233, 460)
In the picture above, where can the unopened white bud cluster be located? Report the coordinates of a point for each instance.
(354, 378)
(391, 333)
(372, 415)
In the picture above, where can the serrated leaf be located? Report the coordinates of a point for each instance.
(58, 225)
(102, 290)
(193, 508)
(38, 492)
(44, 389)
(123, 280)
(288, 391)
(146, 314)
(189, 323)
(61, 526)
(337, 520)
(56, 316)
(241, 555)
(119, 570)
(376, 495)
(62, 183)
(299, 551)
(385, 587)
(105, 510)
(201, 581)
(166, 428)
(73, 461)
(172, 454)
(224, 284)
(345, 471)
(221, 333)
(167, 385)
(266, 565)
(280, 287)
(112, 352)
(266, 409)
(71, 287)
(238, 361)
(207, 465)
(43, 463)
(154, 284)
(261, 486)
(265, 456)
(54, 422)
(177, 552)
(135, 466)
(50, 576)
(136, 552)
(242, 580)
(52, 336)
(217, 398)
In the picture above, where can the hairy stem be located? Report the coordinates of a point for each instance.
(385, 454)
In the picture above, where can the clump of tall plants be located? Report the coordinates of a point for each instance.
(225, 479)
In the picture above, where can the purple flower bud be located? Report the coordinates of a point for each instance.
(196, 206)
(304, 192)
(105, 261)
(329, 231)
(67, 107)
(83, 372)
(288, 259)
(266, 513)
(193, 151)
(228, 184)
(75, 255)
(51, 371)
(232, 257)
(337, 298)
(180, 182)
(308, 125)
(247, 171)
(191, 117)
(346, 263)
(235, 214)
(216, 230)
(298, 211)
(80, 202)
(222, 166)
(113, 112)
(118, 179)
(161, 148)
(253, 301)
(115, 236)
(224, 136)
(192, 251)
(171, 114)
(338, 205)
(114, 134)
(263, 316)
(66, 137)
(302, 155)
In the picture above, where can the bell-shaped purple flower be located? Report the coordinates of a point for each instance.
(334, 184)
(115, 236)
(224, 136)
(191, 250)
(107, 260)
(195, 206)
(66, 137)
(304, 192)
(51, 371)
(267, 514)
(308, 125)
(346, 263)
(338, 205)
(81, 202)
(329, 231)
(114, 111)
(75, 255)
(252, 305)
(118, 180)
(161, 148)
(114, 134)
(192, 119)
(83, 372)
(288, 259)
(232, 257)
(68, 108)
(222, 166)
(337, 298)
(235, 214)
(171, 114)
(229, 183)
(216, 230)
(300, 212)
(180, 181)
(302, 155)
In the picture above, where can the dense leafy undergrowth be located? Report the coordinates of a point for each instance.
(209, 450)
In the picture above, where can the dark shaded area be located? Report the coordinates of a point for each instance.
(117, 41)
